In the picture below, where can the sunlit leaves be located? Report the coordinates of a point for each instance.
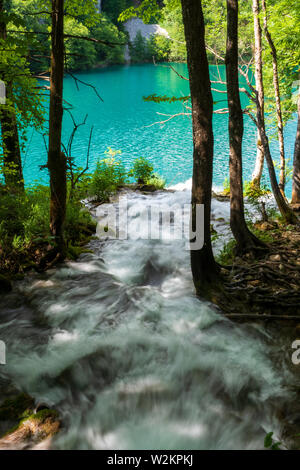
(165, 99)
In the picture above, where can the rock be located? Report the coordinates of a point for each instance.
(5, 284)
(254, 283)
(275, 258)
(32, 431)
(148, 188)
(25, 425)
(265, 226)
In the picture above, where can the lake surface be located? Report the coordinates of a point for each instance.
(122, 122)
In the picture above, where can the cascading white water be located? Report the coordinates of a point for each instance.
(119, 344)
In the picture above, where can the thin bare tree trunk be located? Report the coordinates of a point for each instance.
(285, 210)
(203, 264)
(259, 164)
(12, 164)
(277, 98)
(56, 158)
(244, 238)
(296, 164)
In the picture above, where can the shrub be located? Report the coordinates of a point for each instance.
(108, 176)
(159, 47)
(139, 50)
(37, 213)
(157, 181)
(227, 255)
(142, 170)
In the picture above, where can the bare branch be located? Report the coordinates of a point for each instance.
(171, 116)
(172, 68)
(77, 80)
(98, 41)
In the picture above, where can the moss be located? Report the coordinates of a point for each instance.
(45, 423)
(74, 252)
(42, 415)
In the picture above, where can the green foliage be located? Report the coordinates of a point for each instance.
(227, 255)
(108, 176)
(142, 170)
(148, 10)
(270, 443)
(256, 197)
(288, 169)
(226, 186)
(159, 47)
(24, 225)
(81, 19)
(107, 31)
(157, 181)
(283, 24)
(86, 55)
(113, 8)
(165, 99)
(172, 22)
(254, 192)
(139, 50)
(145, 50)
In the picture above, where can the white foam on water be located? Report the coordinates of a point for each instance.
(131, 359)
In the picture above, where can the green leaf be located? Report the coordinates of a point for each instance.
(268, 440)
(276, 445)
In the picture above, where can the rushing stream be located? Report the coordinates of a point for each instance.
(118, 343)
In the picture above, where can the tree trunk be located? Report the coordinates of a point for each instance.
(259, 162)
(296, 164)
(277, 98)
(12, 164)
(285, 210)
(244, 238)
(56, 158)
(204, 268)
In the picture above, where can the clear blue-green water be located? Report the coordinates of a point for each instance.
(121, 121)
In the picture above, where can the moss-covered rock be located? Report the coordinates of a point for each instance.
(24, 425)
(32, 431)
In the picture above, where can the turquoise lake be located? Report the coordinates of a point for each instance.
(121, 121)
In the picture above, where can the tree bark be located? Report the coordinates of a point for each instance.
(56, 158)
(204, 267)
(283, 207)
(296, 163)
(259, 162)
(12, 163)
(244, 238)
(277, 98)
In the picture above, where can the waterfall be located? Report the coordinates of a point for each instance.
(119, 344)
